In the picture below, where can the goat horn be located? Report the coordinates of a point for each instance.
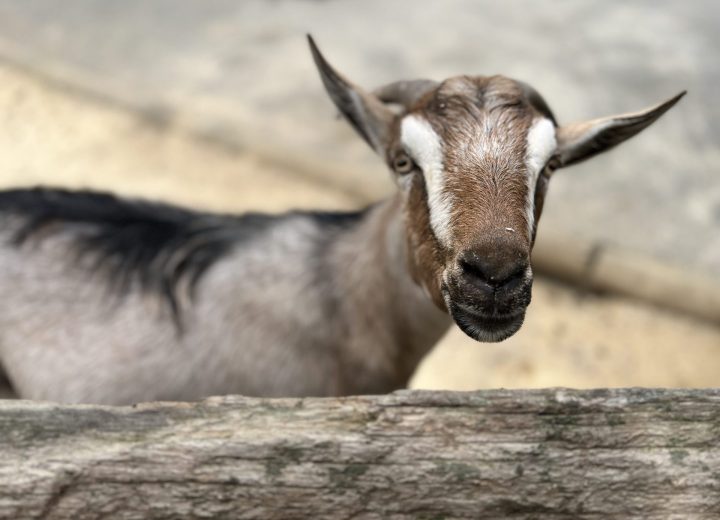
(405, 93)
(536, 100)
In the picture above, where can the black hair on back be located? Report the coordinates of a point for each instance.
(158, 245)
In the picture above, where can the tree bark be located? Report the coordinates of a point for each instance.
(548, 454)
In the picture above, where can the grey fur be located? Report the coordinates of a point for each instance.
(295, 313)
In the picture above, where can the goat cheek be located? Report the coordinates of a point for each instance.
(424, 256)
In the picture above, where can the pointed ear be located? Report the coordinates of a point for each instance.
(365, 112)
(580, 141)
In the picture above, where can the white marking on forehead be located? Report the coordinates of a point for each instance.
(425, 147)
(541, 144)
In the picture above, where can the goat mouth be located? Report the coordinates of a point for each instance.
(485, 327)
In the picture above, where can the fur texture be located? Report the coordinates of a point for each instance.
(311, 304)
(160, 248)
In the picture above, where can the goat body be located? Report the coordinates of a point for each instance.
(112, 301)
(103, 301)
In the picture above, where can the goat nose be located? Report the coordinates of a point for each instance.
(493, 270)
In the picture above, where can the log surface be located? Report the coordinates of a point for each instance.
(556, 453)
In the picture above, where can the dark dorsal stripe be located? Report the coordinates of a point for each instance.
(155, 245)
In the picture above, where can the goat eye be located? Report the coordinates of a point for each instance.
(403, 164)
(552, 165)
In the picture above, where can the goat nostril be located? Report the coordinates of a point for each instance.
(494, 277)
(473, 270)
(518, 274)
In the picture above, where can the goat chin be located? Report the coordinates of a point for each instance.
(490, 329)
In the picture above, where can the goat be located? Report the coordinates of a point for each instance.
(108, 300)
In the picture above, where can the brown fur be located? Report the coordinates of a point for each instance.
(489, 190)
(471, 221)
(427, 257)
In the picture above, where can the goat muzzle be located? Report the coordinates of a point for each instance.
(487, 292)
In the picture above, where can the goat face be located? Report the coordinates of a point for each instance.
(472, 157)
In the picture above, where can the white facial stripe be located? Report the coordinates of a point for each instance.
(425, 147)
(541, 144)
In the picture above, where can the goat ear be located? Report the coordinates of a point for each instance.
(580, 141)
(364, 111)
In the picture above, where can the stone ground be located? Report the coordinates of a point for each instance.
(56, 137)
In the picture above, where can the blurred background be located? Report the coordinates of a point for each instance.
(216, 104)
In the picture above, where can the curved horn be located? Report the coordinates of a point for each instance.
(405, 93)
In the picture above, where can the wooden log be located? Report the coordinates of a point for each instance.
(551, 454)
